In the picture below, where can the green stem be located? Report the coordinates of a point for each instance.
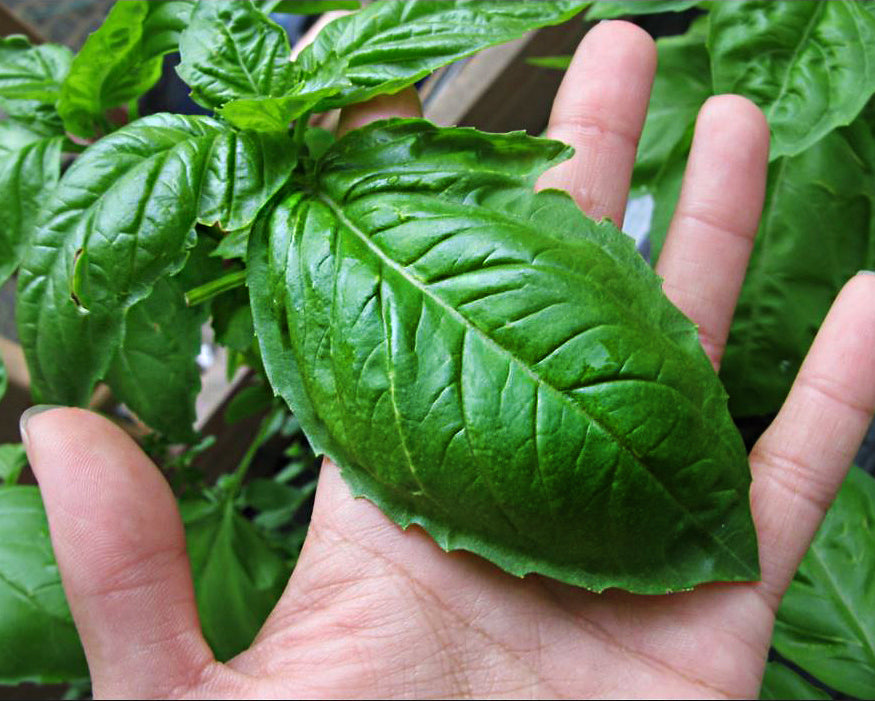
(210, 289)
(301, 124)
(133, 110)
(240, 473)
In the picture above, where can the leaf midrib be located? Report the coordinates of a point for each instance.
(425, 291)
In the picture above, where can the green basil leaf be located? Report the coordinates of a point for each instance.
(164, 23)
(238, 577)
(389, 45)
(110, 69)
(809, 65)
(494, 366)
(681, 85)
(824, 624)
(612, 9)
(30, 80)
(12, 455)
(27, 176)
(248, 402)
(38, 641)
(154, 370)
(306, 7)
(781, 682)
(817, 230)
(233, 245)
(121, 218)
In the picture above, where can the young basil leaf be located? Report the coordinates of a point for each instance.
(389, 45)
(781, 682)
(623, 8)
(38, 641)
(817, 230)
(121, 218)
(164, 23)
(796, 61)
(110, 69)
(28, 174)
(30, 80)
(237, 61)
(494, 366)
(238, 577)
(12, 455)
(681, 85)
(824, 624)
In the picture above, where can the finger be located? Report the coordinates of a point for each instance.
(120, 547)
(712, 232)
(799, 463)
(401, 104)
(599, 110)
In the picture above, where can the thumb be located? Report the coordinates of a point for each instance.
(120, 546)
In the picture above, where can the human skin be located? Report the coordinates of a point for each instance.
(374, 611)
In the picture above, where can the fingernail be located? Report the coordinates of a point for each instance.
(866, 272)
(28, 415)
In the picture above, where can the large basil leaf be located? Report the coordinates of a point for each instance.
(781, 682)
(809, 65)
(389, 45)
(817, 230)
(494, 366)
(28, 174)
(238, 577)
(681, 85)
(120, 61)
(825, 622)
(38, 641)
(30, 80)
(612, 9)
(121, 218)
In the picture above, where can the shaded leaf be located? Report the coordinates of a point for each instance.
(238, 577)
(387, 46)
(824, 623)
(310, 7)
(28, 174)
(817, 231)
(809, 65)
(248, 402)
(681, 85)
(122, 217)
(12, 460)
(612, 9)
(492, 365)
(781, 682)
(30, 80)
(38, 641)
(164, 23)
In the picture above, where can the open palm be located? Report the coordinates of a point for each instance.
(375, 611)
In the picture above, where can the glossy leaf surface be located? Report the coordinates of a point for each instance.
(38, 641)
(781, 682)
(825, 622)
(238, 577)
(809, 65)
(122, 217)
(492, 365)
(30, 166)
(818, 230)
(387, 46)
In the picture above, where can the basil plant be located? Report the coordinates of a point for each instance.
(479, 359)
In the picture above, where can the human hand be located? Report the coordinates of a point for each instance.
(375, 611)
